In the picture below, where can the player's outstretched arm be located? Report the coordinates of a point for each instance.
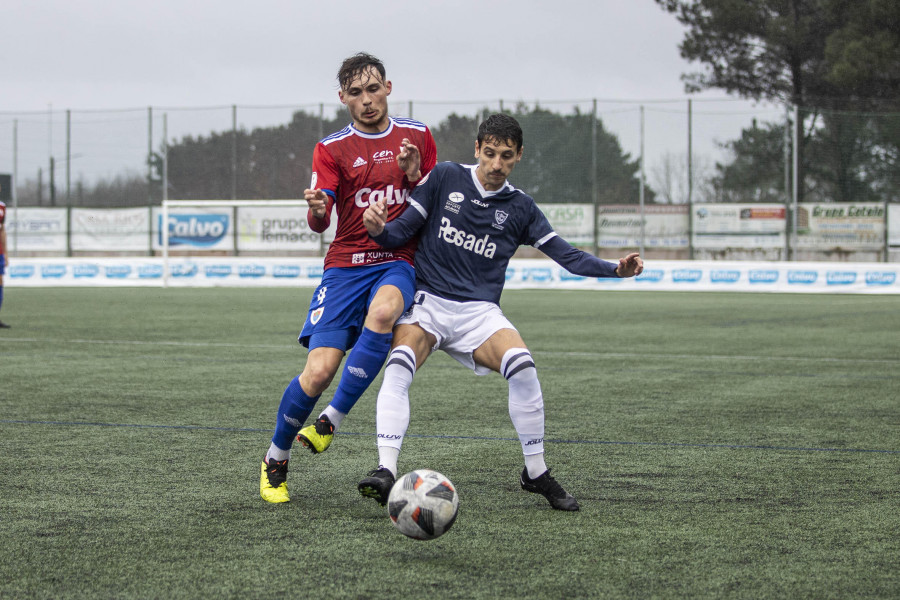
(410, 161)
(582, 263)
(630, 265)
(396, 232)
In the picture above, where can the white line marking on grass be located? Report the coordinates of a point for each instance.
(461, 437)
(599, 355)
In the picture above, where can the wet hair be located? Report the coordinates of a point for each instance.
(500, 128)
(357, 64)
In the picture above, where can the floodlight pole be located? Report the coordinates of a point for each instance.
(641, 195)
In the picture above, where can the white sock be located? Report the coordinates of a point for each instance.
(277, 453)
(334, 415)
(392, 406)
(387, 458)
(535, 465)
(526, 402)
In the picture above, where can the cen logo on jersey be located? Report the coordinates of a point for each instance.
(367, 196)
(383, 156)
(481, 246)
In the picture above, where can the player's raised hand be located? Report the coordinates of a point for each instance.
(409, 160)
(630, 266)
(317, 201)
(375, 217)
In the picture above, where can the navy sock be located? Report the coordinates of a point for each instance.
(361, 368)
(292, 413)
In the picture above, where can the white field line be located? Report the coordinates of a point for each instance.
(595, 355)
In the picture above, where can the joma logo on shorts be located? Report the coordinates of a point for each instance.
(481, 246)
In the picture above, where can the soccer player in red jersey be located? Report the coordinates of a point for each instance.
(4, 261)
(364, 288)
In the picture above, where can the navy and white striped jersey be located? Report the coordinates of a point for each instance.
(468, 235)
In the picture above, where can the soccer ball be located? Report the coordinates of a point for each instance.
(423, 504)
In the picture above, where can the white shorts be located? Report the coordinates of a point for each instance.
(459, 327)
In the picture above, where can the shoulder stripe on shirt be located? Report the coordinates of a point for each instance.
(410, 123)
(338, 135)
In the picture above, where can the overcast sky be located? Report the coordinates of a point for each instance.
(93, 54)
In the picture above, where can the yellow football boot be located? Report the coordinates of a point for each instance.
(317, 437)
(272, 486)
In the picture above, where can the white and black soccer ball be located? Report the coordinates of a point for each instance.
(423, 504)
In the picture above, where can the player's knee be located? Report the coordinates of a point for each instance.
(316, 378)
(382, 316)
(518, 363)
(382, 319)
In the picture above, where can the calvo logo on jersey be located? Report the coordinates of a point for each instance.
(201, 230)
(367, 196)
(499, 218)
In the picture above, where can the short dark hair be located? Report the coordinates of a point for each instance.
(500, 128)
(356, 64)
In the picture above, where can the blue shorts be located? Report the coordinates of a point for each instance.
(339, 305)
(2, 264)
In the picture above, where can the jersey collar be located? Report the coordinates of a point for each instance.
(374, 136)
(487, 193)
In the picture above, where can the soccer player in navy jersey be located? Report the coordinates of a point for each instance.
(4, 260)
(471, 221)
(364, 288)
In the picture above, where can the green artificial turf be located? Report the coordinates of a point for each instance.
(721, 446)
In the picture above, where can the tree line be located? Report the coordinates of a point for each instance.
(836, 61)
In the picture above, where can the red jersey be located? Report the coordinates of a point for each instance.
(356, 169)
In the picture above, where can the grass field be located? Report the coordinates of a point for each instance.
(721, 446)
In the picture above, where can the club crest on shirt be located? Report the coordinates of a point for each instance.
(316, 315)
(499, 218)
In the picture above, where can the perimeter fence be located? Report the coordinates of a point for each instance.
(674, 157)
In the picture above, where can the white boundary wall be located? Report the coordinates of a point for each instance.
(705, 276)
